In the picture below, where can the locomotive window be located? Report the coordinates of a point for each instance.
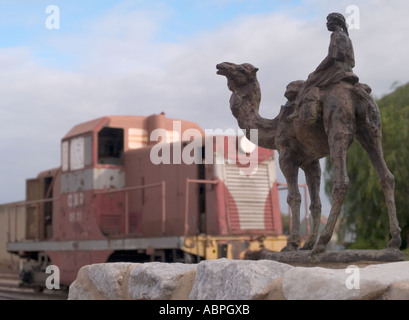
(88, 151)
(111, 146)
(77, 153)
(65, 156)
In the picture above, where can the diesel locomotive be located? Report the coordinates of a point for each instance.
(146, 188)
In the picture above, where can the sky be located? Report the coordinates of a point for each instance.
(67, 62)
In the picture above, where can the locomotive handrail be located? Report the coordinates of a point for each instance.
(131, 188)
(12, 237)
(15, 205)
(26, 203)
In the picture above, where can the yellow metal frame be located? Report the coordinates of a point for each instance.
(207, 246)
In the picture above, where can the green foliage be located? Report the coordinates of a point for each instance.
(285, 220)
(406, 254)
(364, 210)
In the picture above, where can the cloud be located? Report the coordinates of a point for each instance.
(119, 64)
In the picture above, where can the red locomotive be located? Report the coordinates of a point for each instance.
(135, 188)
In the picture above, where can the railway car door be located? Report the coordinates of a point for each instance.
(39, 215)
(34, 229)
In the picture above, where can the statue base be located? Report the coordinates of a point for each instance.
(333, 259)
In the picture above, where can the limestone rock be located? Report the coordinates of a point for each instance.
(184, 286)
(225, 279)
(156, 280)
(273, 291)
(351, 283)
(397, 291)
(100, 281)
(82, 288)
(108, 278)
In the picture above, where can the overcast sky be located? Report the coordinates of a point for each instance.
(148, 56)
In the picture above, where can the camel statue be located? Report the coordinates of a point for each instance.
(321, 117)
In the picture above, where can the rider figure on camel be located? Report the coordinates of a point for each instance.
(337, 66)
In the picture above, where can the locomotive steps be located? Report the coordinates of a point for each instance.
(225, 279)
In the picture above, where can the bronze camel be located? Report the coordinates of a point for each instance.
(321, 117)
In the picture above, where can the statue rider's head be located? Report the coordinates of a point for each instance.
(335, 20)
(292, 89)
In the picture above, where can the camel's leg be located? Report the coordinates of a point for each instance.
(372, 143)
(313, 178)
(339, 143)
(290, 171)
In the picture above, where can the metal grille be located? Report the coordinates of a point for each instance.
(247, 203)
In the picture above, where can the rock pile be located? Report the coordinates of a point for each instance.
(225, 279)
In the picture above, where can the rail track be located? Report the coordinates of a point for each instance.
(11, 290)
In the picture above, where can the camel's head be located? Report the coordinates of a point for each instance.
(237, 75)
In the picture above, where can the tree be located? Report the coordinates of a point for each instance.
(364, 209)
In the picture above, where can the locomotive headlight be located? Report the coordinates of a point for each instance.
(246, 145)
